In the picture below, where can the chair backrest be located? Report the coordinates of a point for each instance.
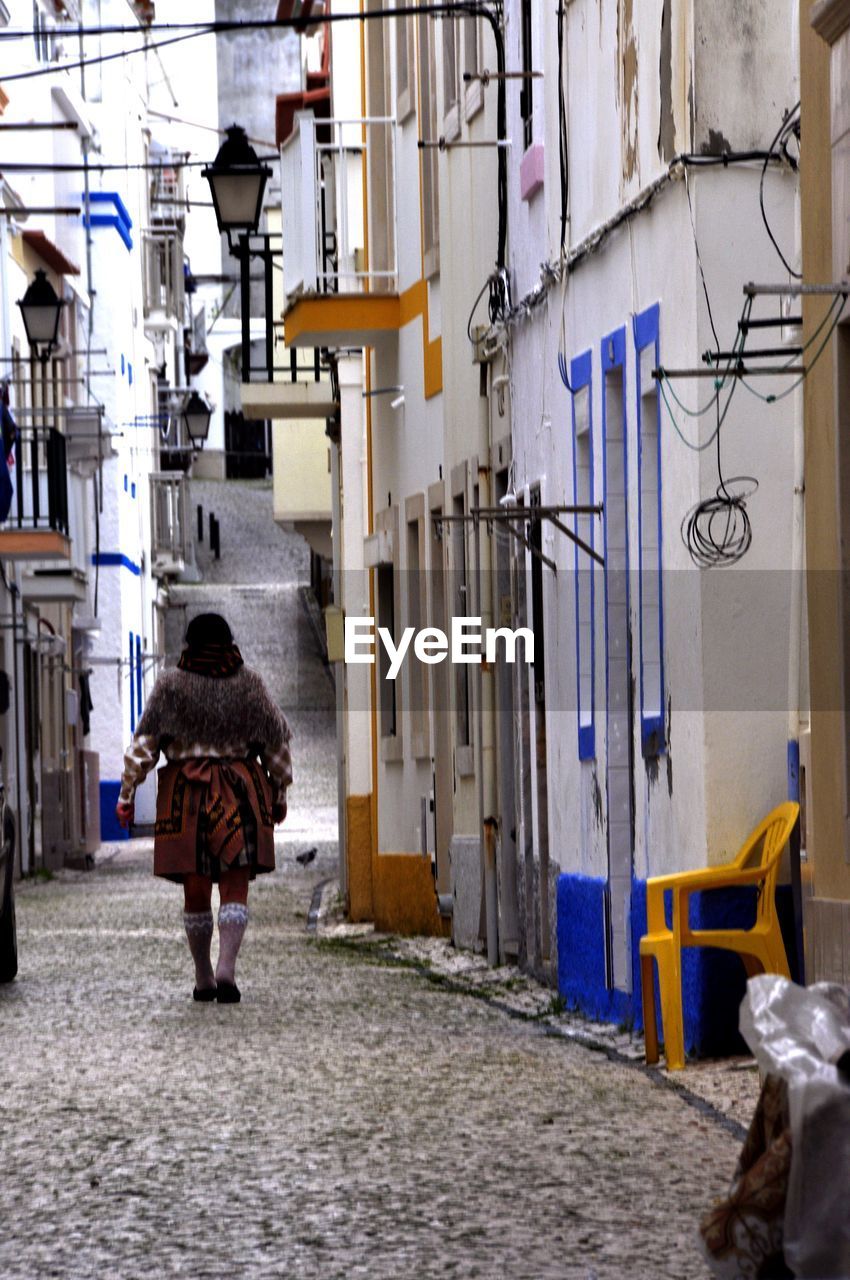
(763, 848)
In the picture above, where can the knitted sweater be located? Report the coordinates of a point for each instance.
(189, 715)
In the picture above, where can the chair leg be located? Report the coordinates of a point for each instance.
(777, 954)
(650, 1028)
(670, 985)
(768, 955)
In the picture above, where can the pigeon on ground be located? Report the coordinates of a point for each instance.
(306, 857)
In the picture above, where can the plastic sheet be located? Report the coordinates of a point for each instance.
(800, 1034)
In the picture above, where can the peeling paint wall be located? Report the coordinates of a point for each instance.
(746, 59)
(643, 83)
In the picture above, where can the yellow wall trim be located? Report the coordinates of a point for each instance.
(349, 313)
(358, 833)
(414, 303)
(405, 900)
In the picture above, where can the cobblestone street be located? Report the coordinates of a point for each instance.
(373, 1108)
(349, 1118)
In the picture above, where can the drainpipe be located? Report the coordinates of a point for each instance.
(487, 696)
(794, 664)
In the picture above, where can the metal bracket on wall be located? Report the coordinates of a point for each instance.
(510, 517)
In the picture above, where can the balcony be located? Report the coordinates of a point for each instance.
(162, 261)
(169, 524)
(175, 448)
(334, 173)
(37, 525)
(167, 191)
(301, 389)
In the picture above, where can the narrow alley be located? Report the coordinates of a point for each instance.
(424, 548)
(309, 1130)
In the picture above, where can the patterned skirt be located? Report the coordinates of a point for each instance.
(212, 815)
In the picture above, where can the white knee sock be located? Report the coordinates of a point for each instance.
(232, 922)
(199, 931)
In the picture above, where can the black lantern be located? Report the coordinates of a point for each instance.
(41, 309)
(237, 181)
(196, 419)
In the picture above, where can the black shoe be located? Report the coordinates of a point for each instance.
(228, 993)
(205, 995)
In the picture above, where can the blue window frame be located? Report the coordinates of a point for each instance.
(581, 375)
(647, 358)
(132, 686)
(139, 675)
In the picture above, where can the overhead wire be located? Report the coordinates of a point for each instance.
(717, 530)
(789, 125)
(98, 59)
(563, 149)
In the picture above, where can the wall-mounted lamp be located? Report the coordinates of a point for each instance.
(196, 417)
(41, 310)
(237, 181)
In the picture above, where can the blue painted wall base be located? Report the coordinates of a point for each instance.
(713, 981)
(109, 828)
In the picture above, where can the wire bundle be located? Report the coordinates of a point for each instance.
(718, 530)
(789, 128)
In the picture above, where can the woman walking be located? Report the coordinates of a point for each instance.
(220, 793)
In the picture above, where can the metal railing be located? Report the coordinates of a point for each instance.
(167, 187)
(169, 523)
(40, 481)
(162, 257)
(334, 173)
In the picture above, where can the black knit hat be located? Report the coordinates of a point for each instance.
(208, 628)
(210, 650)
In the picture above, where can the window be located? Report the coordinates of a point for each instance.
(451, 90)
(582, 408)
(428, 132)
(380, 156)
(461, 607)
(130, 671)
(649, 520)
(386, 619)
(43, 35)
(388, 616)
(526, 93)
(404, 59)
(473, 90)
(416, 614)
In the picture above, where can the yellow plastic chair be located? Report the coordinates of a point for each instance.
(761, 948)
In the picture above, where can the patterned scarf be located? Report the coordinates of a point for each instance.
(217, 660)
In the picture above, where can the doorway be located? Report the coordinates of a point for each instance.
(618, 668)
(535, 538)
(441, 726)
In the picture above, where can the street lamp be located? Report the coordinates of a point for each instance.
(41, 309)
(237, 181)
(196, 418)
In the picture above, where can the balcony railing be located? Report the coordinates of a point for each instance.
(167, 187)
(162, 253)
(169, 524)
(40, 482)
(329, 170)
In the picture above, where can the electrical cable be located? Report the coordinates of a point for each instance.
(699, 261)
(718, 531)
(836, 320)
(485, 286)
(563, 149)
(98, 59)
(223, 27)
(789, 125)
